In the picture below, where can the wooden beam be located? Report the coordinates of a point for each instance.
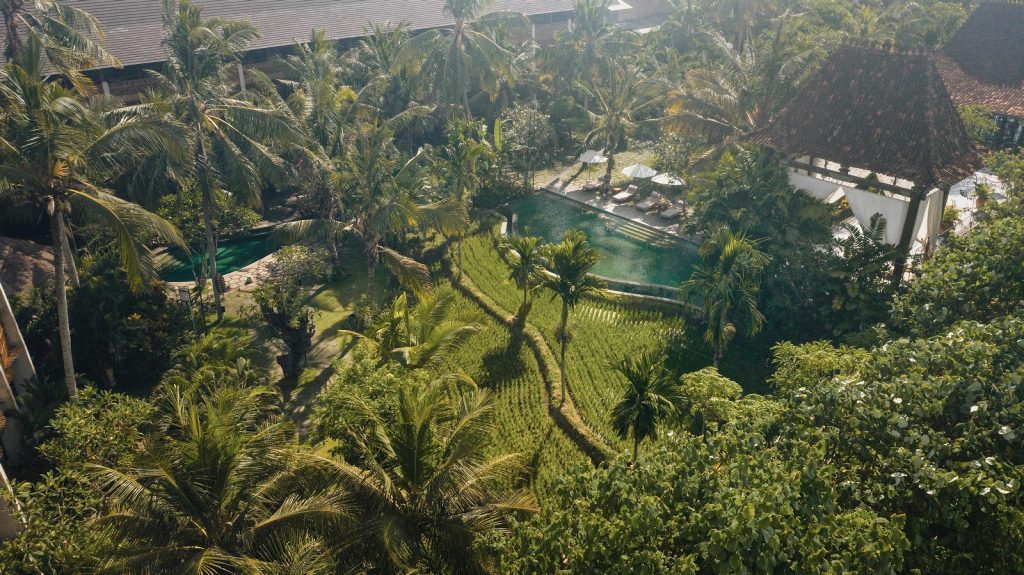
(851, 178)
(907, 235)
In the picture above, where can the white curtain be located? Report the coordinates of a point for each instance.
(926, 225)
(815, 187)
(866, 204)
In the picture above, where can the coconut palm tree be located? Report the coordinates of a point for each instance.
(219, 488)
(71, 38)
(454, 60)
(619, 95)
(726, 282)
(457, 165)
(232, 137)
(579, 51)
(651, 396)
(524, 257)
(741, 92)
(377, 186)
(430, 484)
(419, 334)
(568, 277)
(55, 152)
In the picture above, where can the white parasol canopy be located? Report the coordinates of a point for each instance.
(667, 180)
(639, 171)
(592, 157)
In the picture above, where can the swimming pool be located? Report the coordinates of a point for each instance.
(629, 251)
(232, 254)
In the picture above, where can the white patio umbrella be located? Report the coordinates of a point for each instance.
(667, 180)
(592, 157)
(639, 171)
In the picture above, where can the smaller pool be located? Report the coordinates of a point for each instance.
(629, 251)
(233, 254)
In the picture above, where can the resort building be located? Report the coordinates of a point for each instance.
(134, 28)
(983, 65)
(875, 125)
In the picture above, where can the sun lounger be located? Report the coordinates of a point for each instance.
(592, 185)
(653, 202)
(671, 213)
(623, 197)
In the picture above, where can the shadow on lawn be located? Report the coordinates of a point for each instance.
(504, 364)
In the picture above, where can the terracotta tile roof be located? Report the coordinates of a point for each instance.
(877, 108)
(967, 90)
(134, 28)
(983, 64)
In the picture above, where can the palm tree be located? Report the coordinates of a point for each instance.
(591, 40)
(618, 96)
(420, 334)
(378, 202)
(231, 136)
(568, 277)
(55, 151)
(726, 282)
(429, 483)
(71, 38)
(652, 395)
(739, 94)
(451, 61)
(219, 488)
(524, 257)
(457, 165)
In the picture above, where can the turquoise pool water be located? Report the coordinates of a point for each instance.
(232, 255)
(630, 251)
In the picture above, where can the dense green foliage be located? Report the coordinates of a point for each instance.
(977, 277)
(523, 420)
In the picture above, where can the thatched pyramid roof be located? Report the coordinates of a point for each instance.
(877, 108)
(24, 264)
(983, 63)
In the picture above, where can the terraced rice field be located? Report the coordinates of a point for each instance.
(509, 369)
(602, 331)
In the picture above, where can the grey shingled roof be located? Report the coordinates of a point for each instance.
(134, 28)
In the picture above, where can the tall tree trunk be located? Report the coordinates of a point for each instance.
(61, 293)
(611, 143)
(11, 8)
(458, 247)
(371, 266)
(564, 337)
(718, 356)
(636, 444)
(69, 261)
(211, 253)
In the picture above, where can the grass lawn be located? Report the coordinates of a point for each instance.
(334, 302)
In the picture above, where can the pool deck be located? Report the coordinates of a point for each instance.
(575, 193)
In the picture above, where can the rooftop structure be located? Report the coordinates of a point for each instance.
(134, 28)
(875, 117)
(983, 64)
(881, 109)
